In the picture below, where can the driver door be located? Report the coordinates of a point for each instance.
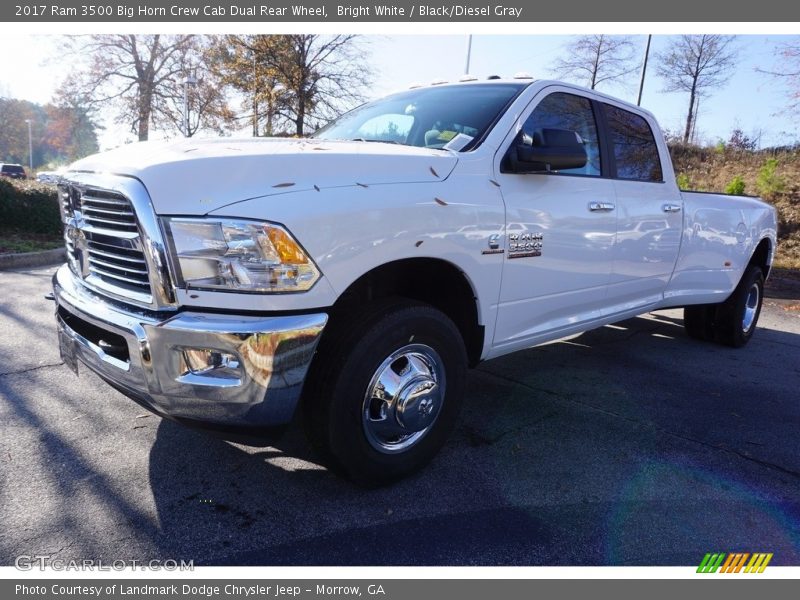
(571, 215)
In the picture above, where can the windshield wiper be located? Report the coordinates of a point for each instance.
(378, 141)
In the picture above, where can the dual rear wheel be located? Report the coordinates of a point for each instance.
(732, 322)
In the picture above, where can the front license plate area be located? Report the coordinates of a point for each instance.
(69, 355)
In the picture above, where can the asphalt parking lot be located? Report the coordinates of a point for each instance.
(628, 445)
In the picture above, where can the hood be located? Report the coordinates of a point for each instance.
(191, 177)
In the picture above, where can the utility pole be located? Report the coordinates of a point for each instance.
(644, 70)
(255, 96)
(190, 80)
(30, 146)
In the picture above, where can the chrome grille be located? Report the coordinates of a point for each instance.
(116, 262)
(107, 210)
(104, 241)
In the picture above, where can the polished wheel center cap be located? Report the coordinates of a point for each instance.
(404, 398)
(418, 404)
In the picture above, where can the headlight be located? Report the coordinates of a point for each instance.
(238, 255)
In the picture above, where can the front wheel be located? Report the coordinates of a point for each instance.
(385, 391)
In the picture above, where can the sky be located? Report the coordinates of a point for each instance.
(751, 101)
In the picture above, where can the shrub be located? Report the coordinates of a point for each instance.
(26, 206)
(683, 181)
(740, 141)
(735, 187)
(768, 182)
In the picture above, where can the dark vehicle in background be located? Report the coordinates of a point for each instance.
(12, 171)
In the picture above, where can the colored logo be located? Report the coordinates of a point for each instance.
(734, 562)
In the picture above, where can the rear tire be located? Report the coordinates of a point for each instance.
(737, 317)
(698, 321)
(732, 322)
(385, 390)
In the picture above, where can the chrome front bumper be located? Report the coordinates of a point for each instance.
(144, 355)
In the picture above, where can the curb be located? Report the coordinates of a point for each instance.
(32, 259)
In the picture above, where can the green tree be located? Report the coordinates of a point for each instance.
(768, 182)
(72, 126)
(14, 115)
(736, 187)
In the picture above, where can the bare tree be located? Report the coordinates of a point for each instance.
(696, 64)
(292, 82)
(321, 75)
(141, 77)
(788, 71)
(596, 59)
(204, 100)
(238, 62)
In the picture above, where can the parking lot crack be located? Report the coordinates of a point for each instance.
(661, 430)
(29, 369)
(62, 549)
(764, 463)
(476, 438)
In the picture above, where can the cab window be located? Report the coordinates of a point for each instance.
(560, 110)
(635, 150)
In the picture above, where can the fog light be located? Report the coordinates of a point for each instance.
(206, 362)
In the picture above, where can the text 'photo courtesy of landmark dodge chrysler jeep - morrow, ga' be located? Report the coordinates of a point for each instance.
(352, 277)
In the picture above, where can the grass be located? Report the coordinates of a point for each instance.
(13, 242)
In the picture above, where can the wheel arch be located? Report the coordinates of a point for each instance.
(434, 281)
(762, 256)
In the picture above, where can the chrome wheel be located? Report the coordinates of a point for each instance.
(750, 307)
(403, 398)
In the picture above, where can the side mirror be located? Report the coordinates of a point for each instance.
(547, 150)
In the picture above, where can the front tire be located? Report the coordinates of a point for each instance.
(385, 390)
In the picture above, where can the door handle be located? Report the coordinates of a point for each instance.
(671, 208)
(601, 206)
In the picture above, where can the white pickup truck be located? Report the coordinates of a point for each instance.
(352, 277)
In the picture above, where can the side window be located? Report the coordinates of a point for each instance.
(635, 149)
(567, 111)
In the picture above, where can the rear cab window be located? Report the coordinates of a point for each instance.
(634, 148)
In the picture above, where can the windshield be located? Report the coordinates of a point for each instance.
(454, 116)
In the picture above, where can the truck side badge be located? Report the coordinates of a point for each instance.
(524, 245)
